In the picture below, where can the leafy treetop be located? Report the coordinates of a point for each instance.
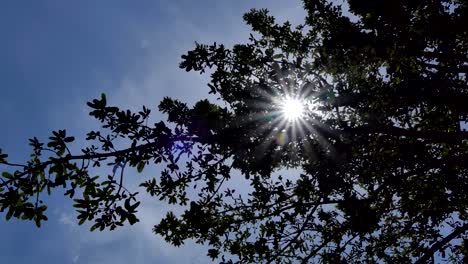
(381, 153)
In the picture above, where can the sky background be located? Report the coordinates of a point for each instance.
(55, 55)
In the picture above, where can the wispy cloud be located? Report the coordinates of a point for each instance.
(135, 63)
(146, 84)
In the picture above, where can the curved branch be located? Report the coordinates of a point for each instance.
(439, 244)
(68, 158)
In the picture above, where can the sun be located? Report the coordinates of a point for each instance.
(292, 109)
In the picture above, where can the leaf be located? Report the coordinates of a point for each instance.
(69, 139)
(132, 219)
(38, 222)
(140, 166)
(278, 56)
(7, 175)
(94, 227)
(134, 206)
(103, 99)
(3, 156)
(127, 204)
(9, 214)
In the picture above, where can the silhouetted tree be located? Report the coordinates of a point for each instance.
(382, 157)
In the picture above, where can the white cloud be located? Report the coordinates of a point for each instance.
(66, 219)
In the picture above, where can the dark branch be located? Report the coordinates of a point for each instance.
(432, 136)
(438, 245)
(43, 165)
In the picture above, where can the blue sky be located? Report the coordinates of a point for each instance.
(57, 54)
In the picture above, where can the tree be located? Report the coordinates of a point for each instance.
(379, 143)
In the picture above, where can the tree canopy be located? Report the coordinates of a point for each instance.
(379, 148)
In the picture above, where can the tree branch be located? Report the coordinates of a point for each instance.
(439, 244)
(68, 158)
(433, 136)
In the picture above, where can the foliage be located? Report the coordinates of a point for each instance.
(381, 152)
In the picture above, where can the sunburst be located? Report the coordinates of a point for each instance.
(292, 109)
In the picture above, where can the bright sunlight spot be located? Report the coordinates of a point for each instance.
(292, 109)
